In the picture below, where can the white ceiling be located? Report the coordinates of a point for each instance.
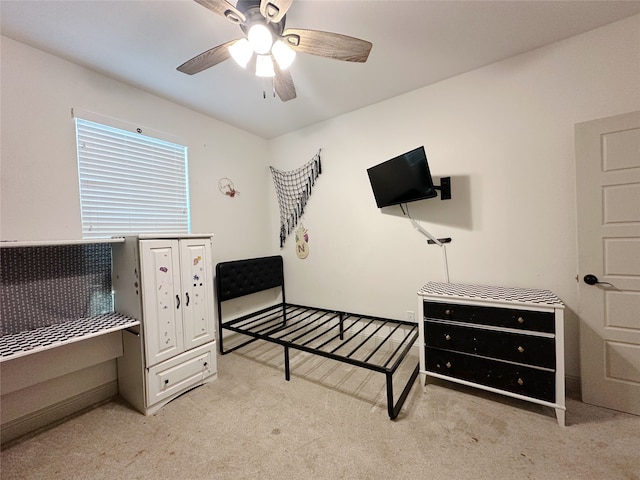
(415, 43)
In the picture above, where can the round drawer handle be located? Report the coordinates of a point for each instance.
(448, 365)
(521, 349)
(520, 320)
(447, 337)
(448, 311)
(520, 382)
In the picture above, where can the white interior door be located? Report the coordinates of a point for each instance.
(608, 195)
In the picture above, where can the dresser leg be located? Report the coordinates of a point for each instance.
(560, 412)
(423, 378)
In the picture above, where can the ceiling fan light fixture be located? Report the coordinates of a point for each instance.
(262, 23)
(283, 54)
(264, 66)
(260, 38)
(241, 52)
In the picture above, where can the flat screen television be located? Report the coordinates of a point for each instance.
(405, 178)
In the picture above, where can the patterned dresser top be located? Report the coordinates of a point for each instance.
(43, 338)
(483, 292)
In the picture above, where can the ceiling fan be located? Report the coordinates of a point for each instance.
(268, 46)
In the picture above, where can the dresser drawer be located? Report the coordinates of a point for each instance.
(181, 373)
(498, 317)
(522, 380)
(515, 347)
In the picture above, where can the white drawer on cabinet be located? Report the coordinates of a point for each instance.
(181, 373)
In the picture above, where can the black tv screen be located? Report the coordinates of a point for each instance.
(405, 178)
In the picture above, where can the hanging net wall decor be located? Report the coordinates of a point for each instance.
(294, 189)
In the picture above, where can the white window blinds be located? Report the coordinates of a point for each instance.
(130, 183)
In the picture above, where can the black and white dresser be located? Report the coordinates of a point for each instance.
(504, 340)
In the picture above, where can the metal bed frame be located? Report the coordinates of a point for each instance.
(373, 343)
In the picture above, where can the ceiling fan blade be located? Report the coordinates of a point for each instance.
(224, 9)
(274, 10)
(207, 59)
(326, 44)
(283, 84)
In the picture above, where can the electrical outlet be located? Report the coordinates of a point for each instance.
(411, 315)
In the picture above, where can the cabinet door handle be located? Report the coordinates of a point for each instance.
(177, 301)
(187, 295)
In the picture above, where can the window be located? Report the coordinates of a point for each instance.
(130, 183)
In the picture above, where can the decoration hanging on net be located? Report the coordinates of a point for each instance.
(294, 189)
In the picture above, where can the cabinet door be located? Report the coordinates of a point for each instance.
(197, 290)
(162, 301)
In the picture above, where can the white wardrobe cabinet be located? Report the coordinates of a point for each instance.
(166, 283)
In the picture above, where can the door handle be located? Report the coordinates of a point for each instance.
(591, 279)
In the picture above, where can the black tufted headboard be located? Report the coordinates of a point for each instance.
(242, 277)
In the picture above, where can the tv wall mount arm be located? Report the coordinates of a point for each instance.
(445, 188)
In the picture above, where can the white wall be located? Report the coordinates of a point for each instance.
(505, 134)
(39, 195)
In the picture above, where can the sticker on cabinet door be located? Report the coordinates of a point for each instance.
(164, 269)
(197, 259)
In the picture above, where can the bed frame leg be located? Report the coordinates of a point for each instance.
(287, 373)
(394, 410)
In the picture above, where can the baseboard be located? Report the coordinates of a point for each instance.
(54, 414)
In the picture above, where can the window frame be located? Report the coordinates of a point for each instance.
(131, 180)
